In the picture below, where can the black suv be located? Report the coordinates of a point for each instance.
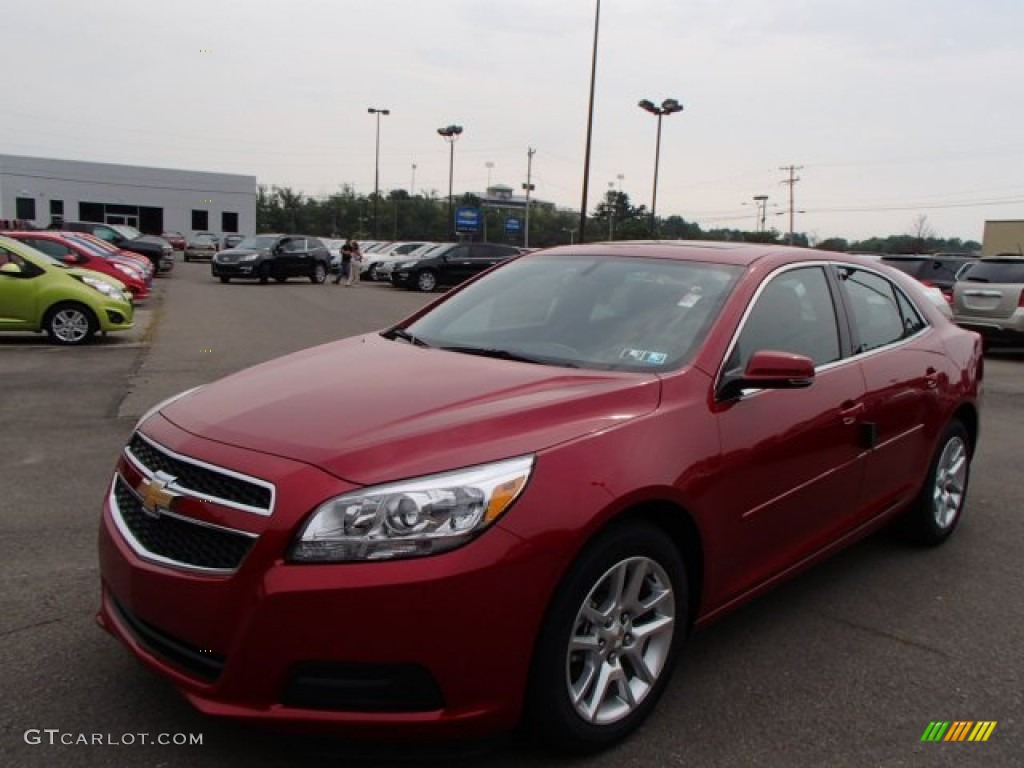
(156, 249)
(450, 265)
(938, 269)
(273, 256)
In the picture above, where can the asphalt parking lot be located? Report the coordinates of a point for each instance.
(843, 666)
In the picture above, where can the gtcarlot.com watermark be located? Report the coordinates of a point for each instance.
(57, 737)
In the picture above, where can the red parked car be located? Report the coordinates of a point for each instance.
(607, 446)
(176, 239)
(103, 246)
(65, 247)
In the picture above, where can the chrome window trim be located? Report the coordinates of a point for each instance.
(746, 393)
(138, 548)
(175, 486)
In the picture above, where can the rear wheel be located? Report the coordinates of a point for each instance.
(319, 273)
(70, 324)
(610, 639)
(938, 508)
(264, 274)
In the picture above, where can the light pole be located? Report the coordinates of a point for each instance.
(451, 134)
(611, 210)
(376, 167)
(761, 201)
(412, 185)
(490, 167)
(590, 124)
(668, 107)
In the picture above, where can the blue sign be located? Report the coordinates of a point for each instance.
(513, 225)
(467, 219)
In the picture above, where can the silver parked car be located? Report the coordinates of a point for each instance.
(989, 299)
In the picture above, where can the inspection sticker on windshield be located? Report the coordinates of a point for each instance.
(645, 356)
(689, 300)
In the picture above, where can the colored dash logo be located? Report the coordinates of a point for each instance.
(958, 730)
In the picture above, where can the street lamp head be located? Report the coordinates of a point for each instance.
(648, 105)
(451, 132)
(669, 106)
(374, 111)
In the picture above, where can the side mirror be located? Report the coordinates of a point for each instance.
(769, 369)
(69, 258)
(10, 268)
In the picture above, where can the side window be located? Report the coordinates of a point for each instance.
(459, 252)
(794, 313)
(879, 316)
(50, 248)
(912, 320)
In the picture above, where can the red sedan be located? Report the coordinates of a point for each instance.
(607, 445)
(103, 246)
(67, 248)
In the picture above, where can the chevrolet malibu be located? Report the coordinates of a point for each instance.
(607, 447)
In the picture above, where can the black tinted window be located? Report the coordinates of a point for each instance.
(881, 314)
(993, 271)
(794, 313)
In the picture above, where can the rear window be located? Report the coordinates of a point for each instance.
(996, 271)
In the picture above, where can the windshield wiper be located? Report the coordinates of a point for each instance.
(399, 333)
(505, 354)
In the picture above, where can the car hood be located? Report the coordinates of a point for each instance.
(151, 239)
(369, 410)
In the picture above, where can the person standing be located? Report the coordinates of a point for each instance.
(345, 267)
(356, 262)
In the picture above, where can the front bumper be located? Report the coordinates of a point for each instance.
(235, 269)
(418, 648)
(116, 316)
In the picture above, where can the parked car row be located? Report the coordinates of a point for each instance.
(179, 242)
(69, 303)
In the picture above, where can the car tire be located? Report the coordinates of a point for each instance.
(426, 281)
(281, 279)
(936, 512)
(319, 274)
(70, 324)
(186, 258)
(571, 704)
(264, 274)
(225, 279)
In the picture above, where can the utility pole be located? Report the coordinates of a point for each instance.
(530, 152)
(791, 181)
(761, 201)
(412, 185)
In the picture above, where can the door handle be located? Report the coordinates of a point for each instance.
(931, 378)
(850, 411)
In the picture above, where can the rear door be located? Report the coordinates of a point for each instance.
(903, 375)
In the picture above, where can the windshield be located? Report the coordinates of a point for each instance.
(126, 230)
(600, 312)
(258, 243)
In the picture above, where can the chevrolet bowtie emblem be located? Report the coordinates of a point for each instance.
(155, 496)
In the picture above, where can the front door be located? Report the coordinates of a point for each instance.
(792, 460)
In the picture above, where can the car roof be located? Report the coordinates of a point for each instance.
(739, 254)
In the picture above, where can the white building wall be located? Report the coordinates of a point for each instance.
(177, 193)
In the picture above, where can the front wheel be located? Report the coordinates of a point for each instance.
(426, 281)
(936, 512)
(70, 324)
(225, 279)
(264, 274)
(610, 639)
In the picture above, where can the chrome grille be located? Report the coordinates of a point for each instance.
(202, 480)
(176, 540)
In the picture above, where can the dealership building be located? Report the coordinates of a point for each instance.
(40, 191)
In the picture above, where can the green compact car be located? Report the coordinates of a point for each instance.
(39, 293)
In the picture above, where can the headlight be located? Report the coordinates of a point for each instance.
(414, 518)
(250, 257)
(102, 286)
(128, 271)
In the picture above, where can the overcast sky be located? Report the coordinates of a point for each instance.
(894, 108)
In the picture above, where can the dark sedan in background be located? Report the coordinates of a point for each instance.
(450, 265)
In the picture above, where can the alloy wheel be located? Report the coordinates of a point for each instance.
(950, 482)
(621, 640)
